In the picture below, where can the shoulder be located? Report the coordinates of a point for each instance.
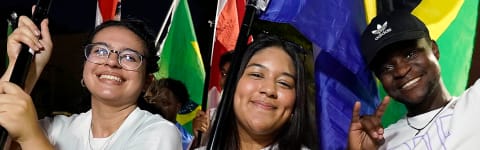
(149, 120)
(152, 131)
(61, 126)
(64, 121)
(395, 127)
(469, 98)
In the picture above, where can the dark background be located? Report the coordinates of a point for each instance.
(70, 22)
(59, 89)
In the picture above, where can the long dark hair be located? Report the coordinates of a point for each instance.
(291, 135)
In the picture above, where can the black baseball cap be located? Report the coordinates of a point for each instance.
(388, 29)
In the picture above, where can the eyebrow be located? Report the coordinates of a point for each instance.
(263, 67)
(109, 47)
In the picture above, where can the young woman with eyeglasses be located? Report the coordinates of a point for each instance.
(119, 57)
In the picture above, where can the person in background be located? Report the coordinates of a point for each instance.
(398, 49)
(166, 96)
(119, 55)
(201, 122)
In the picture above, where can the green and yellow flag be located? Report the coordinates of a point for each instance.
(180, 59)
(452, 23)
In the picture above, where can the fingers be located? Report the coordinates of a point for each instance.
(25, 36)
(9, 88)
(26, 33)
(373, 126)
(356, 112)
(24, 21)
(382, 107)
(45, 40)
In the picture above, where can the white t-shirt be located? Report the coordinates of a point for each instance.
(140, 131)
(457, 126)
(270, 147)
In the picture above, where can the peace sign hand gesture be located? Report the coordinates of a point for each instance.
(366, 132)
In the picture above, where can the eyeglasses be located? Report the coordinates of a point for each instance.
(98, 53)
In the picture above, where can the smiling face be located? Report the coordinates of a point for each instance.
(109, 82)
(410, 72)
(265, 95)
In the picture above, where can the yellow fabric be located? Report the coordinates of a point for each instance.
(370, 9)
(437, 15)
(185, 118)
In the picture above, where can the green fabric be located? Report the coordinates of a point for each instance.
(9, 30)
(180, 58)
(456, 49)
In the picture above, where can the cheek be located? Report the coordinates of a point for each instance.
(288, 99)
(86, 76)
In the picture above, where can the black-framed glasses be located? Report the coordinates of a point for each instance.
(98, 53)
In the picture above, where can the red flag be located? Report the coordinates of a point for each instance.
(107, 9)
(227, 30)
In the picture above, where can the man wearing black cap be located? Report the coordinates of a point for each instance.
(398, 49)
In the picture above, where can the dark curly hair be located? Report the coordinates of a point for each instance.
(141, 30)
(178, 89)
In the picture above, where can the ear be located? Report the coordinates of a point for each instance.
(179, 106)
(148, 81)
(435, 50)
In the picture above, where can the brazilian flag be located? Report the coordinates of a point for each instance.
(180, 59)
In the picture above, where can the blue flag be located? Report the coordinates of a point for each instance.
(341, 76)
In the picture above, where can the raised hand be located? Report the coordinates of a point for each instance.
(366, 132)
(38, 40)
(19, 118)
(201, 123)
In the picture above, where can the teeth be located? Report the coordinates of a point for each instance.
(110, 77)
(411, 82)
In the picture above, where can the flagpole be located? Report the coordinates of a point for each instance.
(240, 46)
(158, 45)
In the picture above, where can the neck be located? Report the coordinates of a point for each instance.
(251, 141)
(437, 98)
(107, 119)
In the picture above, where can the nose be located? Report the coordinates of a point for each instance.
(112, 60)
(269, 89)
(401, 68)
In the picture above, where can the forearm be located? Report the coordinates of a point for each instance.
(7, 73)
(38, 141)
(31, 79)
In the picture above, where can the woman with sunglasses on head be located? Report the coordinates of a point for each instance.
(120, 55)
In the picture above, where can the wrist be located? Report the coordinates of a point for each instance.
(38, 141)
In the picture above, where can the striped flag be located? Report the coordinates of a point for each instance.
(180, 59)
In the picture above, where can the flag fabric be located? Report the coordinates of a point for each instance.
(229, 17)
(341, 77)
(180, 59)
(107, 10)
(452, 24)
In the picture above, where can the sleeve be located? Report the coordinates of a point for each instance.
(46, 124)
(158, 136)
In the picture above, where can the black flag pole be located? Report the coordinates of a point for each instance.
(253, 6)
(25, 57)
